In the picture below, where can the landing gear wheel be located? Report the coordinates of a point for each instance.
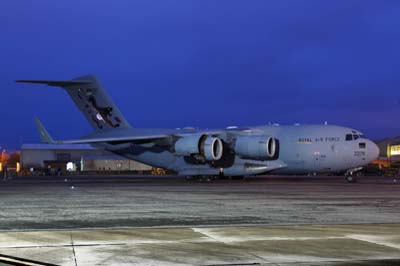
(350, 179)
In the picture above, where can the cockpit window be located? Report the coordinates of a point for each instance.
(349, 137)
(353, 136)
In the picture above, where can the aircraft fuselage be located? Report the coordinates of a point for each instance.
(303, 149)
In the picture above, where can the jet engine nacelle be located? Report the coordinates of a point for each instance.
(211, 148)
(256, 147)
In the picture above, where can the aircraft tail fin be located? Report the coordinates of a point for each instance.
(44, 135)
(91, 99)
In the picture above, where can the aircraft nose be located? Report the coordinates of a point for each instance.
(373, 150)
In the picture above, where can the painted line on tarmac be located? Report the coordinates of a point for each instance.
(377, 240)
(22, 262)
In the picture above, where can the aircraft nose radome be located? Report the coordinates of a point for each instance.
(373, 151)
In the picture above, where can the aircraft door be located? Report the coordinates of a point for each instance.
(319, 161)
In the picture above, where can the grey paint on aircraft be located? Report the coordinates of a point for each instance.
(297, 149)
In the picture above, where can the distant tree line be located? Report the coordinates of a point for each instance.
(10, 159)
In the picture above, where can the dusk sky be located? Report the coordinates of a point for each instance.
(207, 64)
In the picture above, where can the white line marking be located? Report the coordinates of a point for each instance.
(379, 240)
(210, 233)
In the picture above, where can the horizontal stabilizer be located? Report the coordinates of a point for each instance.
(46, 138)
(57, 83)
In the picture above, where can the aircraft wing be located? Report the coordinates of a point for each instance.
(46, 138)
(113, 139)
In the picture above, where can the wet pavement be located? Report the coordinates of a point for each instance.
(139, 220)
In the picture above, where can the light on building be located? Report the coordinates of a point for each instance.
(71, 167)
(18, 168)
(394, 150)
(1, 167)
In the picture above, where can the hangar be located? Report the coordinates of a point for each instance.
(83, 157)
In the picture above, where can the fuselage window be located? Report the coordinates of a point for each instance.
(349, 137)
(361, 145)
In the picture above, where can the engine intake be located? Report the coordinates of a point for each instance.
(209, 147)
(256, 147)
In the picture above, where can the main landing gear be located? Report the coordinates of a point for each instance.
(350, 178)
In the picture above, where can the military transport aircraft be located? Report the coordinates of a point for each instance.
(230, 152)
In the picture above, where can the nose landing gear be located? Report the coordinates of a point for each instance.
(349, 175)
(350, 178)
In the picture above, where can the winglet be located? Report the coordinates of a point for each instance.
(44, 135)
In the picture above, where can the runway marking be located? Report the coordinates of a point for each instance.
(231, 239)
(19, 261)
(378, 240)
(64, 245)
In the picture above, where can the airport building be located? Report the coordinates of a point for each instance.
(76, 157)
(94, 163)
(389, 151)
